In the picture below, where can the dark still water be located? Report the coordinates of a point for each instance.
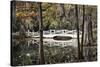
(26, 52)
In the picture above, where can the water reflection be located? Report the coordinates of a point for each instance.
(26, 52)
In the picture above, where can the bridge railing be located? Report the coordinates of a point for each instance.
(28, 33)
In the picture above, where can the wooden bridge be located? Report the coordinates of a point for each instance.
(52, 33)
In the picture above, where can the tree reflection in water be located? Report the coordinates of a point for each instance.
(25, 52)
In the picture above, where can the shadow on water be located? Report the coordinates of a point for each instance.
(26, 52)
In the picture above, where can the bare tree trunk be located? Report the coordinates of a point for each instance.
(77, 24)
(90, 35)
(82, 40)
(41, 51)
(91, 32)
(61, 13)
(86, 32)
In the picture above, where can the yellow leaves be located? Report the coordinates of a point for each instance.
(18, 14)
(25, 14)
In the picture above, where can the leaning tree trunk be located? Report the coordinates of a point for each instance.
(41, 51)
(82, 40)
(77, 25)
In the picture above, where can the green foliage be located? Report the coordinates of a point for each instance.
(55, 16)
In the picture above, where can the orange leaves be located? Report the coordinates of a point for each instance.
(18, 14)
(25, 14)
